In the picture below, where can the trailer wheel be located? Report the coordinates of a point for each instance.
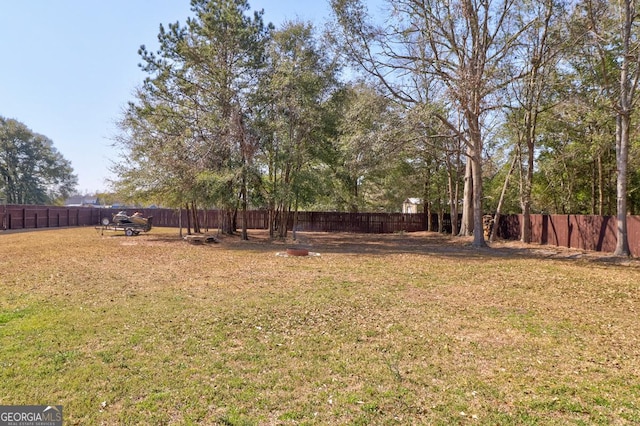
(106, 221)
(128, 232)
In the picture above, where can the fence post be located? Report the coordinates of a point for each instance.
(4, 213)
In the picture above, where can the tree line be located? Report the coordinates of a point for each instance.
(32, 171)
(475, 106)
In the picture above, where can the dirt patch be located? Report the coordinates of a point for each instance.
(565, 253)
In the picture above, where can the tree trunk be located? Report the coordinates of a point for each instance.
(628, 84)
(243, 197)
(466, 225)
(425, 199)
(453, 189)
(227, 225)
(295, 219)
(188, 219)
(353, 204)
(283, 221)
(525, 231)
(622, 155)
(496, 217)
(478, 229)
(600, 185)
(454, 217)
(196, 219)
(272, 220)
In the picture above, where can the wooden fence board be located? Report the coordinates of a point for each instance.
(587, 232)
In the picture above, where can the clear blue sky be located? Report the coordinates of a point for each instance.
(69, 67)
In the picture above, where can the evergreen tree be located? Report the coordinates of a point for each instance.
(194, 106)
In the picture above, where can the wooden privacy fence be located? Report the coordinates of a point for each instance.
(575, 231)
(376, 223)
(31, 217)
(364, 223)
(586, 232)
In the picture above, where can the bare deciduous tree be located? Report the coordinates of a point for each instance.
(460, 46)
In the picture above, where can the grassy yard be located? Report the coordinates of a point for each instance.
(394, 329)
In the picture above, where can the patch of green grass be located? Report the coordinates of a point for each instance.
(7, 316)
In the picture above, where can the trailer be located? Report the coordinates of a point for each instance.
(131, 225)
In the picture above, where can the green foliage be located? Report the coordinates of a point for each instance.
(576, 155)
(366, 138)
(291, 120)
(185, 137)
(32, 171)
(493, 189)
(236, 113)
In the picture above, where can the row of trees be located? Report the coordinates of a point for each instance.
(32, 171)
(507, 105)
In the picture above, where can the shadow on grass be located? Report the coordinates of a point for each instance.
(424, 243)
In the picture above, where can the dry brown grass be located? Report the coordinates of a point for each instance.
(391, 329)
